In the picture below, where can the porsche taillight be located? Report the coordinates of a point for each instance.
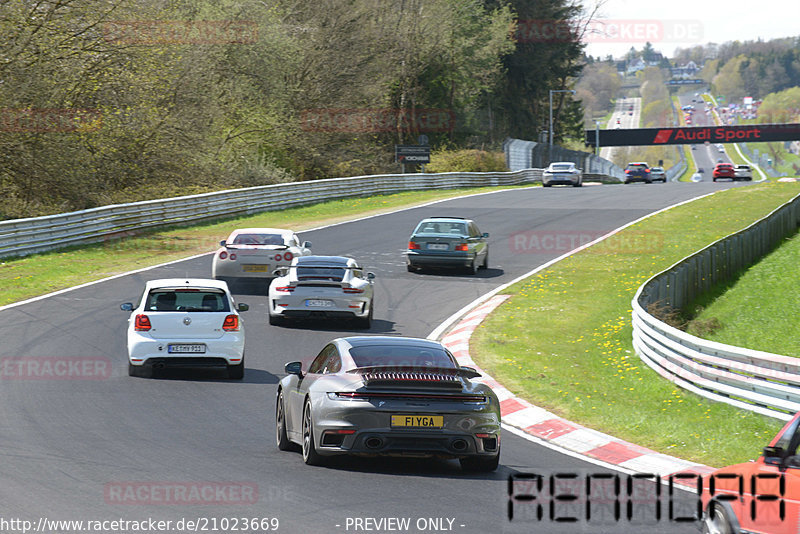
(352, 290)
(142, 323)
(231, 323)
(285, 289)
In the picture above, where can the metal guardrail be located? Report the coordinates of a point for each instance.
(21, 237)
(524, 154)
(753, 380)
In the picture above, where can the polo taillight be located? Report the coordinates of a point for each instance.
(231, 323)
(142, 323)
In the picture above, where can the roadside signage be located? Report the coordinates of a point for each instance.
(412, 154)
(694, 135)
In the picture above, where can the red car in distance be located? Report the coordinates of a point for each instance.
(723, 170)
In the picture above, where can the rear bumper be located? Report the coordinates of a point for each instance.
(451, 259)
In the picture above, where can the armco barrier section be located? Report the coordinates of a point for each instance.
(20, 237)
(753, 380)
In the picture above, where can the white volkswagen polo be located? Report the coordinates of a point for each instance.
(182, 322)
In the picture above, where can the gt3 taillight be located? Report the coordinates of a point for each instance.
(142, 323)
(352, 290)
(285, 289)
(231, 323)
(413, 246)
(463, 247)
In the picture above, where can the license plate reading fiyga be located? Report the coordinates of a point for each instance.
(319, 303)
(418, 421)
(254, 268)
(438, 246)
(186, 348)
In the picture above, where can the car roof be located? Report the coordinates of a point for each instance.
(397, 341)
(323, 260)
(186, 282)
(281, 231)
(451, 219)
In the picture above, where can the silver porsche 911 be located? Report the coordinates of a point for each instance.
(389, 396)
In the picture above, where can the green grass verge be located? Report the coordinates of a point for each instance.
(563, 339)
(30, 276)
(760, 310)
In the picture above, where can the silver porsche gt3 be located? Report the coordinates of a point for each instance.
(390, 396)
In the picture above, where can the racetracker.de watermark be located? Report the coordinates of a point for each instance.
(55, 368)
(377, 120)
(50, 120)
(180, 32)
(181, 493)
(609, 31)
(560, 241)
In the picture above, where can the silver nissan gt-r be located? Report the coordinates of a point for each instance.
(388, 396)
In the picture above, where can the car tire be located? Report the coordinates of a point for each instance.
(577, 184)
(714, 179)
(236, 372)
(139, 371)
(485, 264)
(717, 521)
(410, 268)
(480, 464)
(473, 267)
(275, 320)
(366, 322)
(546, 185)
(310, 454)
(281, 436)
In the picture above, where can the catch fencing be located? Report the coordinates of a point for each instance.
(753, 380)
(21, 237)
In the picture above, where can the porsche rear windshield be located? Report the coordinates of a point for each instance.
(334, 274)
(258, 239)
(400, 356)
(187, 299)
(562, 167)
(430, 227)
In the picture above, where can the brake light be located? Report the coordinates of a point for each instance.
(627, 171)
(647, 170)
(352, 290)
(288, 256)
(413, 246)
(285, 289)
(142, 323)
(231, 323)
(277, 257)
(463, 247)
(233, 256)
(223, 255)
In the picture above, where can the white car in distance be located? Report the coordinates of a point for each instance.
(254, 253)
(562, 172)
(324, 287)
(185, 322)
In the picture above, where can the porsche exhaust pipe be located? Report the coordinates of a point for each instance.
(459, 445)
(373, 442)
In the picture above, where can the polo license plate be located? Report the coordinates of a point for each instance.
(186, 348)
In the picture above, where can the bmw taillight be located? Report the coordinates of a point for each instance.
(413, 246)
(142, 323)
(627, 171)
(647, 170)
(231, 323)
(285, 289)
(463, 247)
(288, 256)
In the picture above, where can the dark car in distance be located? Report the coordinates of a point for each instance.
(638, 171)
(447, 242)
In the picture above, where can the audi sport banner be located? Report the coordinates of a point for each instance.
(679, 136)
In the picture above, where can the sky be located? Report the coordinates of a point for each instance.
(685, 23)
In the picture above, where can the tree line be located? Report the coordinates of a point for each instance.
(106, 101)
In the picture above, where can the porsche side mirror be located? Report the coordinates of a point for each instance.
(370, 276)
(306, 244)
(294, 368)
(127, 306)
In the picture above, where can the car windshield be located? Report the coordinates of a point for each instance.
(335, 274)
(258, 239)
(563, 167)
(401, 356)
(187, 299)
(430, 227)
(637, 166)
